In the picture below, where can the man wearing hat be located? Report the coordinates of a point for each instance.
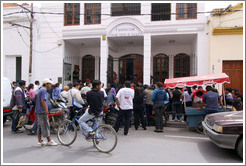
(41, 110)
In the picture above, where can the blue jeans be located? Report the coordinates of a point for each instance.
(84, 118)
(15, 118)
(35, 126)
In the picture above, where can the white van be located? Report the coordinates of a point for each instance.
(7, 93)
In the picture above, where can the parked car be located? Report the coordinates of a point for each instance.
(225, 129)
(7, 92)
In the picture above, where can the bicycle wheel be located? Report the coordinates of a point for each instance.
(105, 139)
(67, 132)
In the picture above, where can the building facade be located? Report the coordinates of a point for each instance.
(154, 41)
(226, 44)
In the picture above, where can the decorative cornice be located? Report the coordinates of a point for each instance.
(228, 31)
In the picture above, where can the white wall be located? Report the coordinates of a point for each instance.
(49, 58)
(13, 46)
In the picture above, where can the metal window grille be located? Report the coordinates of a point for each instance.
(181, 65)
(92, 13)
(186, 11)
(122, 9)
(161, 11)
(72, 14)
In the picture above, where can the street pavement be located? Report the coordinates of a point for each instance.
(176, 145)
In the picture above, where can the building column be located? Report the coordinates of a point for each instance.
(104, 59)
(97, 63)
(147, 59)
(202, 55)
(171, 66)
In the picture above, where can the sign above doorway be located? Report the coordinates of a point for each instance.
(125, 29)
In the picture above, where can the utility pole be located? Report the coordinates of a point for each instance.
(31, 36)
(30, 58)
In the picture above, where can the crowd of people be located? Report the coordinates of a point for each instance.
(141, 100)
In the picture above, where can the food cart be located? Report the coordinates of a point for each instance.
(195, 116)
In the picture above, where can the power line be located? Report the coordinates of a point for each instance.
(33, 49)
(159, 13)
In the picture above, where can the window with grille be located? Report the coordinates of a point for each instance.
(72, 14)
(123, 9)
(186, 11)
(92, 13)
(161, 11)
(161, 68)
(181, 65)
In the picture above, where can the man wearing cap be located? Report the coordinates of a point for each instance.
(41, 110)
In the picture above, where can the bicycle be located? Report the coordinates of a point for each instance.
(105, 138)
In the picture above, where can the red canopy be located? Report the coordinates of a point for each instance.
(197, 80)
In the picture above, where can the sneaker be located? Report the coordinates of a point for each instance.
(90, 135)
(52, 143)
(17, 131)
(42, 143)
(31, 133)
(171, 120)
(158, 130)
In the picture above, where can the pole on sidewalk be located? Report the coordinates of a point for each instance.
(30, 56)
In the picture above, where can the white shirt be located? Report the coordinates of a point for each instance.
(76, 94)
(65, 94)
(85, 89)
(125, 97)
(104, 92)
(36, 88)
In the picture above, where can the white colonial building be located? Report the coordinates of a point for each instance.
(153, 40)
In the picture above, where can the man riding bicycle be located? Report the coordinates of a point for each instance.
(95, 99)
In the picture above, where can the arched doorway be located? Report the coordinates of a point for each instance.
(130, 65)
(181, 65)
(160, 67)
(88, 68)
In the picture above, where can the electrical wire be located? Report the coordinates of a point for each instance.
(159, 13)
(33, 49)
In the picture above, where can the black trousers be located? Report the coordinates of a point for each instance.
(158, 108)
(177, 110)
(139, 111)
(148, 112)
(126, 114)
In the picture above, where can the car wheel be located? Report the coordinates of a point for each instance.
(239, 148)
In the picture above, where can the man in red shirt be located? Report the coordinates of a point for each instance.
(199, 89)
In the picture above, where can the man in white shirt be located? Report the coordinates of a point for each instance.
(74, 93)
(87, 88)
(124, 101)
(36, 87)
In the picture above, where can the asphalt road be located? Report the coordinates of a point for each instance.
(175, 145)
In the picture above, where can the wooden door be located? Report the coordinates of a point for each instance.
(138, 68)
(234, 69)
